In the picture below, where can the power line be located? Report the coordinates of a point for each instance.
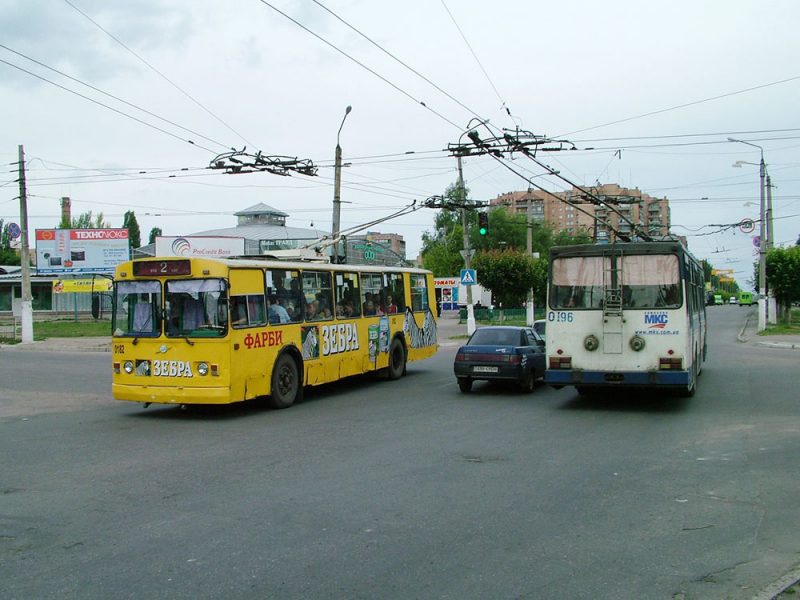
(475, 56)
(111, 108)
(117, 98)
(362, 65)
(685, 105)
(159, 73)
(683, 135)
(389, 54)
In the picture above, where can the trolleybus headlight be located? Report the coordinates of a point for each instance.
(202, 368)
(591, 343)
(128, 366)
(637, 343)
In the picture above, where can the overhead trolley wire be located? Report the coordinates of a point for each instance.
(117, 98)
(157, 72)
(111, 108)
(362, 65)
(392, 56)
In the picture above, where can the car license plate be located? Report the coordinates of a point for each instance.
(484, 369)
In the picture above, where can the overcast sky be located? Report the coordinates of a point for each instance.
(655, 89)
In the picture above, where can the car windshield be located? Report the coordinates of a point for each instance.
(494, 337)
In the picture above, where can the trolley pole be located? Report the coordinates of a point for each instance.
(467, 250)
(27, 301)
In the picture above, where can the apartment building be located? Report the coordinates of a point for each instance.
(575, 212)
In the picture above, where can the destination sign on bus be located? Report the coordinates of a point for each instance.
(161, 268)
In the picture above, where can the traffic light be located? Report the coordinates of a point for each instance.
(483, 223)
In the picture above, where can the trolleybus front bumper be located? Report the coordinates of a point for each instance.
(561, 377)
(177, 395)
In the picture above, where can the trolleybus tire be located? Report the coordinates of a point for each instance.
(286, 387)
(397, 360)
(465, 384)
(691, 387)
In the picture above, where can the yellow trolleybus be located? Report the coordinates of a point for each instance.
(216, 331)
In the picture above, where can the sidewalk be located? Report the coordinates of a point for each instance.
(71, 344)
(749, 335)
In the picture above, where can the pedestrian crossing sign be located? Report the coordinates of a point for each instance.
(468, 277)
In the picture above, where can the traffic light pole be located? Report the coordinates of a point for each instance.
(467, 250)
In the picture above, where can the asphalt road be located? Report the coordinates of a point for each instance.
(408, 489)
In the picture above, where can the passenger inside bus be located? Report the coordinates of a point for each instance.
(277, 313)
(389, 306)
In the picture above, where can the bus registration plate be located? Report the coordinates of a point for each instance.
(484, 369)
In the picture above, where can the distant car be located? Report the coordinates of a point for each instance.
(501, 353)
(539, 327)
(732, 300)
(718, 299)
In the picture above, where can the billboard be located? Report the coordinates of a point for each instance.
(61, 251)
(191, 246)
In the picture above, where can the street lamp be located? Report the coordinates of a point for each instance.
(763, 304)
(337, 187)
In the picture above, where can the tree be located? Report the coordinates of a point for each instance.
(134, 236)
(441, 248)
(154, 233)
(783, 276)
(85, 221)
(508, 274)
(8, 256)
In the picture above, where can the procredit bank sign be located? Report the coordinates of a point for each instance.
(63, 251)
(199, 246)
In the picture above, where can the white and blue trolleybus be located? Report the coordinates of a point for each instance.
(625, 315)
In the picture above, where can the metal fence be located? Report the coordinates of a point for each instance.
(496, 316)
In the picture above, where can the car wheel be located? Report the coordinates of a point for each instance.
(465, 384)
(286, 387)
(529, 383)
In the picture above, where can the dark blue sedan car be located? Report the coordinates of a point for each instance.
(515, 354)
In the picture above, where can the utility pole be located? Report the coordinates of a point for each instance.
(337, 193)
(529, 246)
(763, 301)
(467, 250)
(27, 301)
(772, 309)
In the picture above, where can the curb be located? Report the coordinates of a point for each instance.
(775, 589)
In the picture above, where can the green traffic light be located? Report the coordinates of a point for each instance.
(482, 231)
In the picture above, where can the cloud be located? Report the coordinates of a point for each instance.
(61, 37)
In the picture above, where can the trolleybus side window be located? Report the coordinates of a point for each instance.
(394, 294)
(578, 281)
(650, 281)
(196, 307)
(247, 298)
(284, 287)
(318, 295)
(419, 293)
(348, 303)
(247, 310)
(138, 309)
(371, 284)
